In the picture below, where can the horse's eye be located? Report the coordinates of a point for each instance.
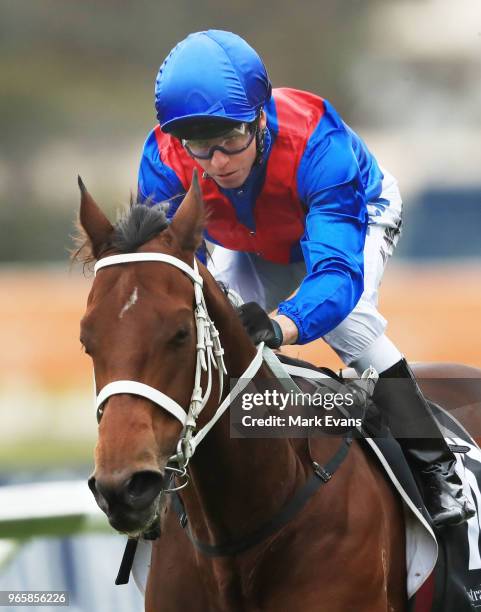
(180, 336)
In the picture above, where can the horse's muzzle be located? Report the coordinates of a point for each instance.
(128, 500)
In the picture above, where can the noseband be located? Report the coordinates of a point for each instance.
(210, 354)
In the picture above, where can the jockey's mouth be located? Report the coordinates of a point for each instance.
(227, 174)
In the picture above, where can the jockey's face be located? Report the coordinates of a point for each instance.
(231, 171)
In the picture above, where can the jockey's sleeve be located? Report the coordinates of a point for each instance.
(157, 184)
(330, 185)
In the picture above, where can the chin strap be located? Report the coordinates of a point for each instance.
(260, 140)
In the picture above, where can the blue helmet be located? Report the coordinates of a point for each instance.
(212, 75)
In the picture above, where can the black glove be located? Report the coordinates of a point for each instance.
(259, 326)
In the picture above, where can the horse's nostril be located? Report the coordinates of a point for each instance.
(101, 498)
(124, 493)
(92, 485)
(143, 487)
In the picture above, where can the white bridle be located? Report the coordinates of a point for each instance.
(209, 354)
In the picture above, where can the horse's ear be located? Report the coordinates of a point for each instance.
(189, 219)
(95, 224)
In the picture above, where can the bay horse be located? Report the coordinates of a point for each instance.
(344, 552)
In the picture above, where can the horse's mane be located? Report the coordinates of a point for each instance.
(136, 226)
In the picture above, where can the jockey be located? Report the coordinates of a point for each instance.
(297, 202)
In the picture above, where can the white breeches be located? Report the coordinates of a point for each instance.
(361, 332)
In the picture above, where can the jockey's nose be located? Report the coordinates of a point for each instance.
(134, 491)
(219, 160)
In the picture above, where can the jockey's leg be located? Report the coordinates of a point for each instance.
(236, 271)
(424, 446)
(255, 279)
(360, 342)
(411, 421)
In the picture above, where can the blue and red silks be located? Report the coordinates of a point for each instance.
(306, 200)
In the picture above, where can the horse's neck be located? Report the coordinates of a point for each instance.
(237, 483)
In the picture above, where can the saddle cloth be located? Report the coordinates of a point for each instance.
(443, 567)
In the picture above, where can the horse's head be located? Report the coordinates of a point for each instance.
(140, 326)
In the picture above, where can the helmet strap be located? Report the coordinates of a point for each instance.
(260, 141)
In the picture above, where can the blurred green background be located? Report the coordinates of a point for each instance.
(77, 92)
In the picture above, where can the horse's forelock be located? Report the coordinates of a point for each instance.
(137, 226)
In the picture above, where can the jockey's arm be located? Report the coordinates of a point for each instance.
(157, 183)
(290, 333)
(333, 243)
